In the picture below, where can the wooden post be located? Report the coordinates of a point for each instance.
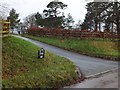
(5, 27)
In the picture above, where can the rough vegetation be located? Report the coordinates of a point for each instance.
(104, 48)
(21, 68)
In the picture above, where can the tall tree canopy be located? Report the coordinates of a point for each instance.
(39, 19)
(54, 9)
(13, 17)
(68, 22)
(107, 13)
(53, 18)
(30, 20)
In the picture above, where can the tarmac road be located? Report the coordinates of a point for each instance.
(88, 65)
(107, 80)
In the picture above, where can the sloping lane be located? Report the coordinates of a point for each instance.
(88, 65)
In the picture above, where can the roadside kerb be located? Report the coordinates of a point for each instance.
(101, 73)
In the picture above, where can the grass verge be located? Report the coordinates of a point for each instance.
(21, 68)
(98, 47)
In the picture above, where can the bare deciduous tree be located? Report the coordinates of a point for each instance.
(4, 10)
(30, 20)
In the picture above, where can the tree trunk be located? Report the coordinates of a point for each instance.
(117, 17)
(99, 26)
(96, 23)
(118, 24)
(118, 27)
(112, 28)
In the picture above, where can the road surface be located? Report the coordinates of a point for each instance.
(107, 80)
(88, 65)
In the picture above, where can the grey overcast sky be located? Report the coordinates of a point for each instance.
(25, 7)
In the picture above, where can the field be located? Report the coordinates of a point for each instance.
(103, 48)
(22, 69)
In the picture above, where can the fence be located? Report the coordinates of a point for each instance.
(70, 33)
(5, 27)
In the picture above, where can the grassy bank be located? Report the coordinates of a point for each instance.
(21, 68)
(99, 47)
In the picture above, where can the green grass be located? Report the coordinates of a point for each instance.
(21, 68)
(104, 48)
